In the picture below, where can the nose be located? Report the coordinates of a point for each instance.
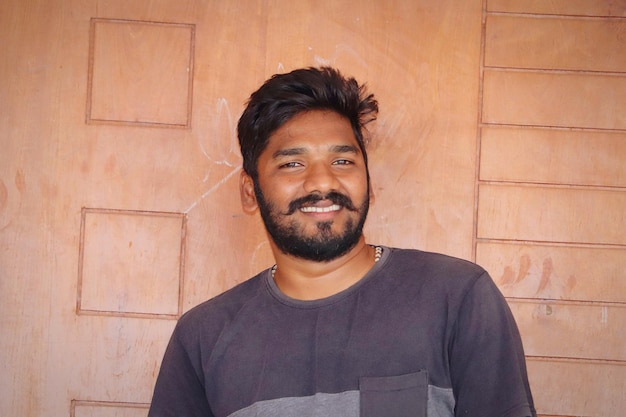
(320, 178)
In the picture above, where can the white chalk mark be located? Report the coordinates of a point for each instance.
(321, 62)
(223, 107)
(341, 49)
(604, 318)
(349, 50)
(229, 152)
(212, 189)
(258, 250)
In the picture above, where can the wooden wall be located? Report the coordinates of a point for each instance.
(501, 139)
(551, 202)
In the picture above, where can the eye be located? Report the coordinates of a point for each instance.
(343, 162)
(291, 164)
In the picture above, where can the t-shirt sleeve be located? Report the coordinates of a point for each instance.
(179, 389)
(487, 362)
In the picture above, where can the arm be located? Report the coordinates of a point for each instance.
(179, 389)
(487, 360)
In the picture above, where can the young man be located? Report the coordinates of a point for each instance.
(337, 327)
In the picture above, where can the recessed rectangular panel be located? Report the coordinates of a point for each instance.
(140, 73)
(548, 214)
(609, 8)
(587, 274)
(553, 156)
(578, 388)
(554, 99)
(108, 409)
(131, 262)
(555, 43)
(584, 331)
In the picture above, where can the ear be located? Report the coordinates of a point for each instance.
(246, 190)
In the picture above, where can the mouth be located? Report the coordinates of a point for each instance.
(313, 209)
(318, 204)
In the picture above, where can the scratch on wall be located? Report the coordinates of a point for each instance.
(604, 318)
(228, 155)
(226, 123)
(212, 189)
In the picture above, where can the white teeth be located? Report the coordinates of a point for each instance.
(334, 207)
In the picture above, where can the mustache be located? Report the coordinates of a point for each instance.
(333, 196)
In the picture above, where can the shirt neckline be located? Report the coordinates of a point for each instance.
(282, 298)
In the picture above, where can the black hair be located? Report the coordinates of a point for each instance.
(283, 96)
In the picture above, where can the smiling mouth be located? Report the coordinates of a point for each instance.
(311, 209)
(319, 204)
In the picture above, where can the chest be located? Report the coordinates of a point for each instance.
(300, 352)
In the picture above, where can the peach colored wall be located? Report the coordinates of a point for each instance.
(501, 139)
(551, 203)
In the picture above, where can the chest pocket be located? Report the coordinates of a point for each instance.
(394, 396)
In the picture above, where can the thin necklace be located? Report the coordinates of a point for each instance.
(378, 253)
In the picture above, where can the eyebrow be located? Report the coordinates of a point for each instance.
(288, 152)
(345, 149)
(300, 151)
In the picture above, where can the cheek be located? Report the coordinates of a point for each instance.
(358, 187)
(279, 193)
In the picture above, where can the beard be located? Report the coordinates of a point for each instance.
(324, 245)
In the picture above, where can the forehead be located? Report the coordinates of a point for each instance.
(315, 127)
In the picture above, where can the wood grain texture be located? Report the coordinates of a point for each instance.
(555, 43)
(140, 73)
(559, 389)
(541, 208)
(552, 156)
(550, 203)
(569, 100)
(605, 8)
(587, 274)
(544, 214)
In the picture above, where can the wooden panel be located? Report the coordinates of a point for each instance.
(565, 7)
(140, 72)
(555, 69)
(427, 93)
(592, 274)
(52, 164)
(131, 263)
(552, 214)
(555, 43)
(553, 415)
(574, 388)
(108, 409)
(554, 99)
(29, 125)
(421, 58)
(553, 156)
(572, 330)
(113, 359)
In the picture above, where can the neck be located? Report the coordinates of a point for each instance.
(310, 280)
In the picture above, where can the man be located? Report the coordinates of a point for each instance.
(337, 327)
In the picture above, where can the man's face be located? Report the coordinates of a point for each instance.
(313, 187)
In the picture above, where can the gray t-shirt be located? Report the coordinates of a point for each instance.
(421, 335)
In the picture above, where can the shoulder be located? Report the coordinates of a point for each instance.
(432, 265)
(433, 276)
(209, 316)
